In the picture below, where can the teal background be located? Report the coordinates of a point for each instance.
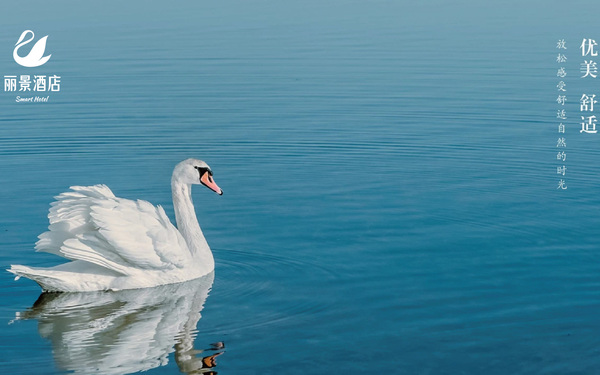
(389, 170)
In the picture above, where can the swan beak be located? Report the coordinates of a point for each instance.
(208, 181)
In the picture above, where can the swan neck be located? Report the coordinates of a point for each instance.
(19, 45)
(187, 222)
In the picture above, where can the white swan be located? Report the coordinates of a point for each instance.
(36, 55)
(115, 243)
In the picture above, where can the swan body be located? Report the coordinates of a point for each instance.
(115, 243)
(36, 55)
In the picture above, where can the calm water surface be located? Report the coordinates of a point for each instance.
(390, 199)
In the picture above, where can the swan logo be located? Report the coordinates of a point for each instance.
(36, 55)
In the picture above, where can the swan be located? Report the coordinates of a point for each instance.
(36, 55)
(115, 243)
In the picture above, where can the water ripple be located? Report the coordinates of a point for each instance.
(266, 289)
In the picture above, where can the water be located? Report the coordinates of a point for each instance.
(390, 195)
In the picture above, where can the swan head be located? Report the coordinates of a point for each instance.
(23, 37)
(196, 172)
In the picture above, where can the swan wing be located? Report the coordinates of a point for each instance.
(37, 51)
(91, 224)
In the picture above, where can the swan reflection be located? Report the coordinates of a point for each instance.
(127, 331)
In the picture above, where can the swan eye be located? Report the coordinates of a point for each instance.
(202, 170)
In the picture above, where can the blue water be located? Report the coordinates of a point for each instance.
(391, 201)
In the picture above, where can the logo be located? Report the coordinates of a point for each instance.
(36, 87)
(36, 55)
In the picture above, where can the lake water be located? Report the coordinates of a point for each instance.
(389, 169)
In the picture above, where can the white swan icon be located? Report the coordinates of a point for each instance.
(34, 58)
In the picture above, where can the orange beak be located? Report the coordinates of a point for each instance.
(208, 181)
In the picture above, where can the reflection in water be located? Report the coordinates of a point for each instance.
(127, 331)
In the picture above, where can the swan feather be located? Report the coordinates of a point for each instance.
(89, 223)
